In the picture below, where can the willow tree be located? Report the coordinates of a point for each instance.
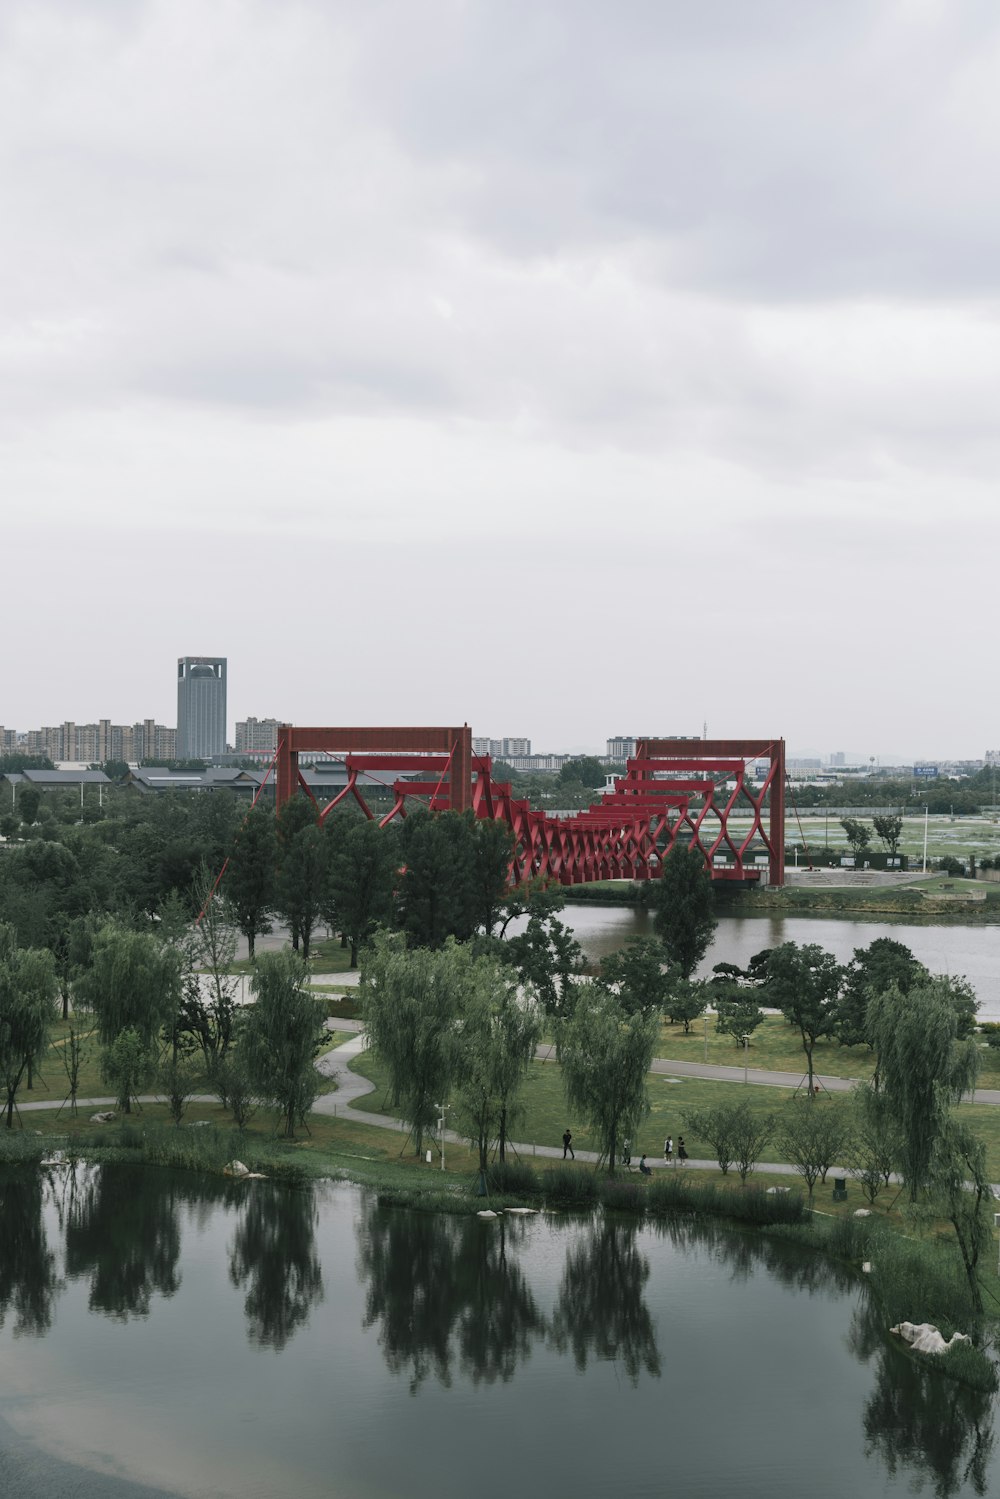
(28, 989)
(410, 1003)
(497, 1033)
(923, 1068)
(133, 982)
(605, 1054)
(961, 1187)
(279, 1036)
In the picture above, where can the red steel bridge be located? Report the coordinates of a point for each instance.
(694, 792)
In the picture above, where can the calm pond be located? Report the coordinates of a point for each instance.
(970, 950)
(164, 1334)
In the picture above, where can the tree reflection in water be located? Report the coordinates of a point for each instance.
(917, 1420)
(29, 1283)
(445, 1290)
(601, 1310)
(274, 1255)
(744, 1252)
(122, 1231)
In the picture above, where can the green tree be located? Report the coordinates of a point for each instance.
(738, 1015)
(133, 982)
(874, 1144)
(492, 851)
(208, 946)
(410, 1002)
(640, 976)
(28, 803)
(923, 1067)
(128, 1066)
(750, 1133)
(363, 871)
(585, 770)
(300, 891)
(857, 835)
(687, 1002)
(279, 1036)
(889, 829)
(804, 984)
(814, 1139)
(546, 954)
(684, 909)
(605, 1055)
(872, 970)
(717, 1126)
(961, 1189)
(438, 887)
(27, 1009)
(176, 1082)
(249, 884)
(497, 1035)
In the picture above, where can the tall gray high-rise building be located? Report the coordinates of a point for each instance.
(201, 707)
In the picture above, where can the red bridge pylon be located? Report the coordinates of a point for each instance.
(700, 793)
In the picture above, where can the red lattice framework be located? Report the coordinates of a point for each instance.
(699, 793)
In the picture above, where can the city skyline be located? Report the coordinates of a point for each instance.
(102, 738)
(559, 366)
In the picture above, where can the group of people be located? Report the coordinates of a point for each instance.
(626, 1156)
(668, 1150)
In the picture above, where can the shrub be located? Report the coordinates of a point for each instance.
(669, 1192)
(970, 1366)
(568, 1188)
(513, 1179)
(623, 1196)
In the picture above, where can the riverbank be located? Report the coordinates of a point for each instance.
(935, 899)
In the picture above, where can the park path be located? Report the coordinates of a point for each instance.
(350, 1086)
(762, 1077)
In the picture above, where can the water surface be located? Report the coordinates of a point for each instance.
(970, 950)
(165, 1335)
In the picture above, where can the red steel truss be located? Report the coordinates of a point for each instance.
(695, 792)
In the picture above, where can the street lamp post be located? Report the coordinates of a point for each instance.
(441, 1113)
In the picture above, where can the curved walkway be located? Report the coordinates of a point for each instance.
(351, 1086)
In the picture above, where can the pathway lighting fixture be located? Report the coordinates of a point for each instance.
(441, 1113)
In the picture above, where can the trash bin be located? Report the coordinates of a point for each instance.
(840, 1189)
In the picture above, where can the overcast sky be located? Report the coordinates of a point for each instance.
(563, 367)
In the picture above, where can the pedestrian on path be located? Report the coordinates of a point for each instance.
(682, 1154)
(626, 1152)
(568, 1145)
(668, 1149)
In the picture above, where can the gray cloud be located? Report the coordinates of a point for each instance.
(621, 333)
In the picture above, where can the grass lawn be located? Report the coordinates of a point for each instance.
(775, 1045)
(325, 956)
(546, 1114)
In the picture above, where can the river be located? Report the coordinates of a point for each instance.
(973, 951)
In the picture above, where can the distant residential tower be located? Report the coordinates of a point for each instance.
(201, 707)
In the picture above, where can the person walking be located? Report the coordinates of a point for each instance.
(568, 1145)
(682, 1154)
(668, 1149)
(626, 1152)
